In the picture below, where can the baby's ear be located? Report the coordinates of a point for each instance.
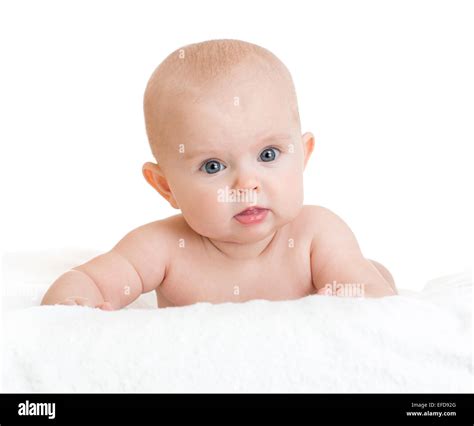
(155, 177)
(308, 146)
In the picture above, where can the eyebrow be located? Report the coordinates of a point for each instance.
(260, 141)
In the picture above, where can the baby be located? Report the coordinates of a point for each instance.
(223, 124)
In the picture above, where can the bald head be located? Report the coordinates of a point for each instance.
(192, 70)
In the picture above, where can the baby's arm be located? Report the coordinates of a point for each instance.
(136, 265)
(337, 262)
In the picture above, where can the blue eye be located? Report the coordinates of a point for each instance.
(213, 166)
(269, 154)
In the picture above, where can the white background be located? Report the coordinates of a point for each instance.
(385, 86)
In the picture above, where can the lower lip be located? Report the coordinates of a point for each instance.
(254, 217)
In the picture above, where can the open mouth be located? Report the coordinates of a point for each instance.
(251, 215)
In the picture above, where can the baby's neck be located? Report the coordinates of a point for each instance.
(240, 251)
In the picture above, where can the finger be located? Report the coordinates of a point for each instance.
(106, 306)
(75, 301)
(325, 291)
(82, 301)
(67, 302)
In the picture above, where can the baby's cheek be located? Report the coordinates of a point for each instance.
(203, 210)
(291, 193)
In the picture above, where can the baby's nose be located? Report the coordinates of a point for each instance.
(247, 181)
(249, 191)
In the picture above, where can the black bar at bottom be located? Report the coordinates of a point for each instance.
(321, 409)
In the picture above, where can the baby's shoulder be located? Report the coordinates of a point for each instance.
(313, 216)
(327, 229)
(316, 219)
(153, 235)
(171, 227)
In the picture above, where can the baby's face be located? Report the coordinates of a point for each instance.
(244, 137)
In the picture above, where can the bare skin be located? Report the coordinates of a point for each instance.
(282, 272)
(205, 254)
(184, 268)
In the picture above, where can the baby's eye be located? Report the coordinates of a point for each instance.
(212, 166)
(269, 154)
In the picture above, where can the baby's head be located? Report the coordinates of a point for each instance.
(223, 125)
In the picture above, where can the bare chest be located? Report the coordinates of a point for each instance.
(193, 277)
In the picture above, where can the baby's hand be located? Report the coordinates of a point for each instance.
(340, 291)
(82, 301)
(325, 291)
